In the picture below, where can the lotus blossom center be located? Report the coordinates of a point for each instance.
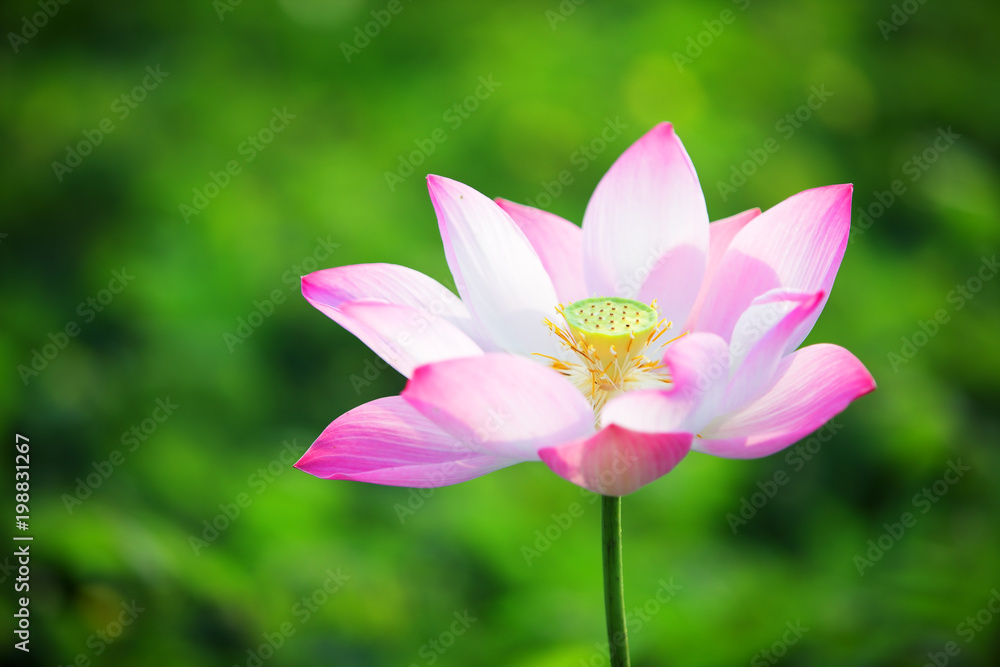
(611, 322)
(607, 343)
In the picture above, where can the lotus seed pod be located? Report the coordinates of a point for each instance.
(616, 328)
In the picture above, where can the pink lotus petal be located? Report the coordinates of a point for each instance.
(720, 235)
(329, 289)
(559, 244)
(674, 281)
(647, 207)
(500, 404)
(403, 336)
(699, 369)
(498, 273)
(759, 341)
(616, 461)
(797, 245)
(747, 289)
(815, 384)
(386, 441)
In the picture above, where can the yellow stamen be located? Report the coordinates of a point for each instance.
(606, 353)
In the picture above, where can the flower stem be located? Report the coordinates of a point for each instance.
(614, 586)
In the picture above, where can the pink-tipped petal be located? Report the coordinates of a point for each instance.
(500, 404)
(498, 273)
(720, 234)
(815, 384)
(699, 370)
(796, 245)
(558, 243)
(616, 461)
(388, 442)
(759, 341)
(327, 290)
(403, 336)
(644, 211)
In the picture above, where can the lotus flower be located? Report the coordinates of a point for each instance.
(607, 352)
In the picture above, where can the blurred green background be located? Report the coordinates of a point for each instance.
(341, 573)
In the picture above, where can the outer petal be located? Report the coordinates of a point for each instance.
(720, 235)
(699, 369)
(498, 273)
(558, 243)
(617, 461)
(386, 441)
(815, 383)
(329, 289)
(797, 245)
(405, 337)
(500, 404)
(646, 226)
(759, 341)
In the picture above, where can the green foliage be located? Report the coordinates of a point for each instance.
(303, 152)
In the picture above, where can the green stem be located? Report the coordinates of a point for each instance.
(614, 586)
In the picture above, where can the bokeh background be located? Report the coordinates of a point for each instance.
(341, 573)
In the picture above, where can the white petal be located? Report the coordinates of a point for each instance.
(646, 226)
(499, 275)
(329, 289)
(405, 337)
(760, 338)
